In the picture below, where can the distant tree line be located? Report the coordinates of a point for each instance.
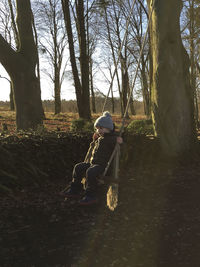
(71, 106)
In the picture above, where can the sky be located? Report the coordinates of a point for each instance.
(67, 93)
(67, 90)
(4, 85)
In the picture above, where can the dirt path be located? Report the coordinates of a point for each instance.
(156, 224)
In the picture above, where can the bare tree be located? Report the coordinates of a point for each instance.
(138, 26)
(52, 42)
(124, 37)
(9, 29)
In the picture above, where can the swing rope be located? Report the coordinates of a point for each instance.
(117, 146)
(118, 55)
(112, 194)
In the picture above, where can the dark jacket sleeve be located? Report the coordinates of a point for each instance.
(104, 149)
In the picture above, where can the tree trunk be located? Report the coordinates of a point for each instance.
(132, 108)
(38, 59)
(11, 96)
(66, 10)
(84, 60)
(29, 111)
(172, 97)
(57, 92)
(150, 75)
(82, 90)
(197, 98)
(193, 74)
(145, 92)
(92, 88)
(14, 26)
(112, 101)
(125, 83)
(21, 66)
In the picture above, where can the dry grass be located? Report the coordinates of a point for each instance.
(54, 122)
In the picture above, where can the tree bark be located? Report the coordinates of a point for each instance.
(172, 97)
(92, 88)
(29, 111)
(81, 86)
(84, 60)
(13, 23)
(66, 10)
(20, 65)
(11, 96)
(193, 74)
(145, 91)
(125, 82)
(57, 91)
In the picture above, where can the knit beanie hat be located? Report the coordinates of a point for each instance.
(105, 121)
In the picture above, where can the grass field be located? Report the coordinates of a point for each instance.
(54, 122)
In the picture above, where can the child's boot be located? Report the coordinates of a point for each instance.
(88, 199)
(74, 191)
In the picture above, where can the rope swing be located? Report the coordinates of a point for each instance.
(112, 194)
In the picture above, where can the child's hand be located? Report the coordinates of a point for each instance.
(95, 136)
(119, 140)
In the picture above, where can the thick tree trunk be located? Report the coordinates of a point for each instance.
(77, 83)
(21, 66)
(29, 111)
(172, 97)
(81, 87)
(84, 61)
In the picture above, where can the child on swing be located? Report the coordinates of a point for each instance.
(97, 157)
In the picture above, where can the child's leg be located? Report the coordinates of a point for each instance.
(75, 188)
(91, 176)
(79, 172)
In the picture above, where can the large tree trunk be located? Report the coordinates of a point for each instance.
(172, 97)
(77, 83)
(21, 66)
(81, 87)
(84, 60)
(29, 111)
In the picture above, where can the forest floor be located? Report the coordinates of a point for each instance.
(156, 223)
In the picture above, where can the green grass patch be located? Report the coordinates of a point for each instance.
(81, 125)
(141, 127)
